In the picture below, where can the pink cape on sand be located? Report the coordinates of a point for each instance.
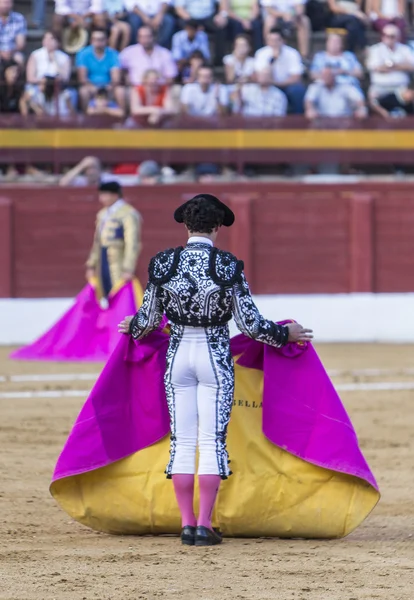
(127, 410)
(86, 332)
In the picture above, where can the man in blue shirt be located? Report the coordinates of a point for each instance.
(205, 14)
(187, 41)
(97, 67)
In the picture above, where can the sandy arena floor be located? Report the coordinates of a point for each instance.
(45, 556)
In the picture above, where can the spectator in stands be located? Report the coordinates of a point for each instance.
(288, 16)
(101, 104)
(261, 99)
(286, 66)
(328, 98)
(204, 98)
(207, 173)
(204, 13)
(113, 20)
(49, 97)
(386, 12)
(389, 64)
(154, 14)
(98, 66)
(78, 15)
(86, 173)
(190, 72)
(239, 65)
(245, 17)
(344, 64)
(149, 173)
(187, 41)
(394, 104)
(11, 87)
(13, 31)
(348, 14)
(151, 99)
(137, 59)
(48, 61)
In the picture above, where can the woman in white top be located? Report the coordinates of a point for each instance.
(385, 12)
(48, 61)
(239, 66)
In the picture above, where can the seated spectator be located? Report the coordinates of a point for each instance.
(394, 104)
(48, 61)
(204, 98)
(98, 66)
(328, 98)
(388, 12)
(113, 20)
(347, 14)
(207, 173)
(77, 15)
(153, 14)
(344, 64)
(187, 41)
(145, 55)
(239, 65)
(245, 17)
(11, 87)
(261, 99)
(49, 97)
(203, 12)
(288, 15)
(149, 173)
(190, 72)
(389, 64)
(13, 31)
(152, 99)
(286, 66)
(102, 105)
(86, 173)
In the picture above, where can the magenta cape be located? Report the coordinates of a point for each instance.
(86, 332)
(127, 412)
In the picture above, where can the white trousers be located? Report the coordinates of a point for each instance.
(198, 398)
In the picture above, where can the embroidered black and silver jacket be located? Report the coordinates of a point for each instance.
(201, 286)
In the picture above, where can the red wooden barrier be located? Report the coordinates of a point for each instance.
(361, 251)
(293, 238)
(6, 251)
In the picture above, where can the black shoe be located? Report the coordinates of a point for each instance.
(188, 535)
(207, 537)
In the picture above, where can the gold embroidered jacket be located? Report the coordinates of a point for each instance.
(117, 243)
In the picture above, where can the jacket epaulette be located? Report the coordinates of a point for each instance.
(163, 265)
(225, 268)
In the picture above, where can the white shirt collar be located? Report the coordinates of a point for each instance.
(114, 207)
(198, 239)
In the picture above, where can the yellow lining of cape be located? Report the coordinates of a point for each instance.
(271, 493)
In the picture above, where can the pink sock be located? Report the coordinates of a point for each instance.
(184, 492)
(209, 487)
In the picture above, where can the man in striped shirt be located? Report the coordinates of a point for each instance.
(13, 30)
(261, 99)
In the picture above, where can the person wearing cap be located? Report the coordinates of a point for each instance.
(117, 241)
(200, 288)
(149, 173)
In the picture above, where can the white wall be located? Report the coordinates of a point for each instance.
(334, 318)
